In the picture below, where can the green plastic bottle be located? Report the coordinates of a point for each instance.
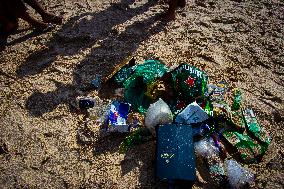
(237, 99)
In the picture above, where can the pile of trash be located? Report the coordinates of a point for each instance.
(222, 128)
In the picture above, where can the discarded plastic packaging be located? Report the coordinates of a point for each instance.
(85, 102)
(217, 92)
(208, 108)
(136, 84)
(125, 70)
(200, 131)
(238, 176)
(205, 148)
(128, 62)
(250, 151)
(254, 128)
(193, 113)
(117, 117)
(221, 108)
(157, 114)
(137, 137)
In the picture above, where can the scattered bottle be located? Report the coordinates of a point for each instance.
(237, 99)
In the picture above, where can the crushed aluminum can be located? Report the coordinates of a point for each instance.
(117, 117)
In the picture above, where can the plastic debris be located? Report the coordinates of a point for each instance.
(255, 129)
(137, 137)
(221, 108)
(250, 151)
(193, 113)
(136, 85)
(217, 92)
(117, 117)
(157, 114)
(238, 176)
(125, 72)
(201, 112)
(85, 102)
(208, 155)
(126, 63)
(200, 131)
(205, 148)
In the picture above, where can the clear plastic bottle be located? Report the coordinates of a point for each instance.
(208, 156)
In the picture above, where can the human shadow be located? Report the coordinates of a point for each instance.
(81, 32)
(3, 42)
(111, 48)
(25, 37)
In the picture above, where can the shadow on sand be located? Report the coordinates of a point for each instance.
(83, 32)
(111, 48)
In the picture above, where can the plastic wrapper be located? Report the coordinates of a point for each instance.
(250, 150)
(217, 92)
(238, 176)
(200, 131)
(189, 82)
(208, 108)
(193, 113)
(124, 73)
(136, 84)
(158, 113)
(205, 148)
(254, 128)
(221, 109)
